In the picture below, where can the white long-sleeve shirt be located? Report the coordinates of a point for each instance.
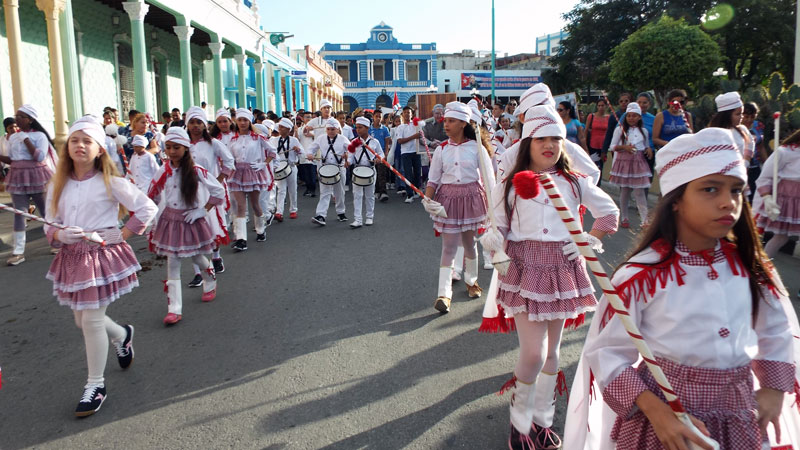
(305, 142)
(362, 156)
(322, 146)
(18, 151)
(788, 168)
(252, 148)
(458, 164)
(214, 156)
(636, 138)
(143, 168)
(288, 147)
(87, 204)
(536, 219)
(166, 188)
(581, 162)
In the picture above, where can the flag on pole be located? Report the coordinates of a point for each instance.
(396, 103)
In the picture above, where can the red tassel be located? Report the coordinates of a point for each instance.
(575, 323)
(592, 394)
(526, 184)
(561, 385)
(415, 121)
(354, 145)
(797, 394)
(436, 233)
(508, 385)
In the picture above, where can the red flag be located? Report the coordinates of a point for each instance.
(396, 102)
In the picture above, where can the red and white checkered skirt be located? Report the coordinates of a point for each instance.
(88, 276)
(247, 179)
(630, 170)
(28, 177)
(544, 283)
(172, 236)
(465, 205)
(788, 199)
(723, 399)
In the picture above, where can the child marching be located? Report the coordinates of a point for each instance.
(289, 153)
(456, 186)
(364, 174)
(546, 284)
(779, 212)
(253, 155)
(188, 225)
(630, 143)
(712, 309)
(87, 195)
(143, 164)
(331, 148)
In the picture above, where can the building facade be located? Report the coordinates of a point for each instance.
(549, 44)
(324, 81)
(74, 57)
(374, 70)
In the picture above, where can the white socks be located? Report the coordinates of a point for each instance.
(19, 243)
(445, 282)
(544, 399)
(470, 271)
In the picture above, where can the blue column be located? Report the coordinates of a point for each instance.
(276, 76)
(297, 95)
(307, 103)
(289, 102)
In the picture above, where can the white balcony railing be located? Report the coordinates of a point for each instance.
(417, 84)
(350, 84)
(383, 83)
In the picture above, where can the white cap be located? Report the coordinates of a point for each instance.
(30, 110)
(324, 103)
(728, 101)
(692, 156)
(542, 121)
(333, 123)
(223, 112)
(89, 124)
(196, 112)
(112, 130)
(286, 123)
(177, 135)
(475, 112)
(458, 110)
(538, 94)
(139, 141)
(633, 107)
(262, 129)
(244, 113)
(363, 121)
(269, 124)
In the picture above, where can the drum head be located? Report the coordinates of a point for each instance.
(329, 174)
(363, 176)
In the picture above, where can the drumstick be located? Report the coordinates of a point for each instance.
(91, 237)
(386, 163)
(576, 233)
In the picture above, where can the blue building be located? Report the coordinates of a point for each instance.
(374, 70)
(548, 44)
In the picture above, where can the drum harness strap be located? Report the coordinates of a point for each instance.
(330, 149)
(283, 146)
(364, 151)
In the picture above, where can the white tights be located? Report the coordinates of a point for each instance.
(775, 243)
(450, 243)
(638, 196)
(174, 266)
(97, 330)
(539, 347)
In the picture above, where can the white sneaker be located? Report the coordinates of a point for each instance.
(368, 222)
(487, 265)
(409, 200)
(355, 224)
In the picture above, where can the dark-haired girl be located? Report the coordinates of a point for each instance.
(184, 228)
(629, 171)
(547, 283)
(712, 309)
(32, 158)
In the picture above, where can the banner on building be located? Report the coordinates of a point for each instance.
(483, 80)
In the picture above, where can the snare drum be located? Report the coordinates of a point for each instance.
(329, 174)
(363, 176)
(282, 170)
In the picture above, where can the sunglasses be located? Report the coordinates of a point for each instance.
(560, 109)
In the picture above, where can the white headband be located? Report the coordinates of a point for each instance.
(195, 112)
(89, 125)
(542, 121)
(245, 114)
(692, 156)
(458, 110)
(223, 112)
(728, 101)
(178, 135)
(29, 109)
(363, 121)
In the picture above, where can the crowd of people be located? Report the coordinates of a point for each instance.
(699, 285)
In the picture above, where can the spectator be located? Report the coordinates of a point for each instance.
(575, 130)
(756, 129)
(394, 156)
(510, 108)
(138, 127)
(177, 121)
(596, 127)
(645, 101)
(347, 130)
(406, 135)
(380, 133)
(306, 170)
(434, 128)
(673, 121)
(10, 127)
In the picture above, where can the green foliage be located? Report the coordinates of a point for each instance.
(730, 85)
(775, 98)
(775, 85)
(663, 55)
(703, 109)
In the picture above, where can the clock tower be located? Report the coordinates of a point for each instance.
(382, 34)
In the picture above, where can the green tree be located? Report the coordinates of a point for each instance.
(663, 55)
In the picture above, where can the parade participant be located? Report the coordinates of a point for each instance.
(709, 305)
(87, 195)
(253, 155)
(347, 130)
(359, 156)
(539, 94)
(307, 170)
(289, 150)
(381, 133)
(779, 212)
(332, 151)
(214, 156)
(729, 117)
(185, 228)
(143, 164)
(30, 155)
(223, 127)
(457, 185)
(115, 143)
(267, 197)
(317, 126)
(630, 171)
(546, 283)
(501, 132)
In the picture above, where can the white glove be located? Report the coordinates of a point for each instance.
(433, 207)
(771, 207)
(492, 240)
(258, 166)
(70, 235)
(111, 235)
(193, 215)
(571, 251)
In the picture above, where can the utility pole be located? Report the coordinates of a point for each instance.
(493, 97)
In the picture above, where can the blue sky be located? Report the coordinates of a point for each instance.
(453, 25)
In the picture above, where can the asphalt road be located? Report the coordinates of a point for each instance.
(319, 338)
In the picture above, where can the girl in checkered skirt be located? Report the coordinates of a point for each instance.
(712, 309)
(88, 196)
(546, 286)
